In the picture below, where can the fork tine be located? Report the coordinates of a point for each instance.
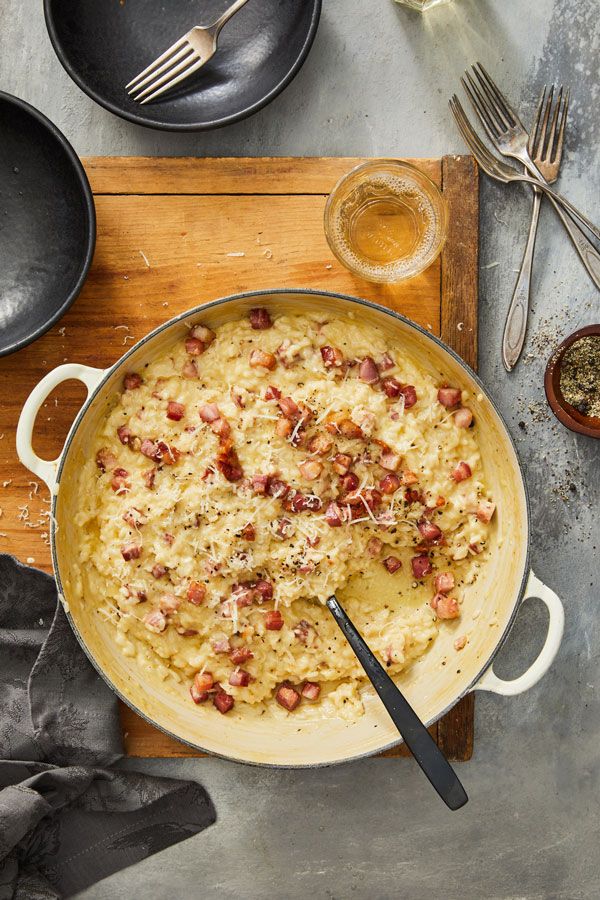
(166, 87)
(561, 129)
(492, 125)
(536, 132)
(185, 51)
(167, 77)
(162, 58)
(552, 135)
(491, 99)
(478, 149)
(508, 109)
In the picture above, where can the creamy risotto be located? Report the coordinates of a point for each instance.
(251, 472)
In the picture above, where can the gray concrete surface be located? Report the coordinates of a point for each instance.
(374, 829)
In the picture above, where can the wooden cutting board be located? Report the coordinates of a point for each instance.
(176, 232)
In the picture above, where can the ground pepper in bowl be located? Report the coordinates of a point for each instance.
(580, 375)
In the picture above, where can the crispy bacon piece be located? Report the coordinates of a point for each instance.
(430, 533)
(155, 621)
(175, 411)
(445, 607)
(198, 340)
(150, 449)
(374, 547)
(462, 472)
(311, 690)
(169, 603)
(368, 371)
(131, 551)
(289, 408)
(259, 359)
(390, 461)
(132, 381)
(210, 412)
(223, 701)
(198, 696)
(272, 393)
(186, 632)
(341, 463)
(249, 532)
(259, 483)
(411, 496)
(449, 396)
(203, 681)
(460, 642)
(421, 566)
(332, 357)
(228, 462)
(265, 589)
(333, 515)
(485, 510)
(105, 459)
(168, 538)
(284, 427)
(149, 477)
(349, 483)
(239, 678)
(463, 417)
(243, 595)
(196, 593)
(391, 387)
(302, 631)
(134, 517)
(221, 428)
(392, 564)
(260, 319)
(320, 444)
(390, 483)
(284, 528)
(221, 645)
(408, 478)
(273, 620)
(386, 363)
(190, 369)
(277, 488)
(125, 435)
(444, 582)
(120, 481)
(158, 571)
(203, 333)
(287, 696)
(240, 655)
(310, 469)
(409, 393)
(350, 429)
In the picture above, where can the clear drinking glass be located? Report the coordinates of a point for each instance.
(386, 221)
(422, 5)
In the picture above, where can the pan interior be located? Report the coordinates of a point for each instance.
(432, 684)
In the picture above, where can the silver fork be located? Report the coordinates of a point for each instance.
(501, 171)
(545, 148)
(182, 59)
(507, 133)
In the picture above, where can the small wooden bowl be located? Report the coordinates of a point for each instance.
(564, 412)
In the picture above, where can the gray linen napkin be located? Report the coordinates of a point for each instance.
(66, 821)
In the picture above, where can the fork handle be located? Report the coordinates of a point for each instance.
(231, 11)
(516, 319)
(586, 250)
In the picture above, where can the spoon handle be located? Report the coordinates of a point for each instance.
(422, 746)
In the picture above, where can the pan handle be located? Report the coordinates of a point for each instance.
(490, 681)
(46, 469)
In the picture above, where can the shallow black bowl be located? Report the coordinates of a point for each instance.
(47, 224)
(103, 44)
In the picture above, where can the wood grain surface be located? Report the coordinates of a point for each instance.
(176, 232)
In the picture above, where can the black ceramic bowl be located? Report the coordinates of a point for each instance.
(47, 224)
(103, 44)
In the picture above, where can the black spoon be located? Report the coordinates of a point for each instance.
(418, 740)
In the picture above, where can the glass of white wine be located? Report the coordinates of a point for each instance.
(386, 221)
(422, 5)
